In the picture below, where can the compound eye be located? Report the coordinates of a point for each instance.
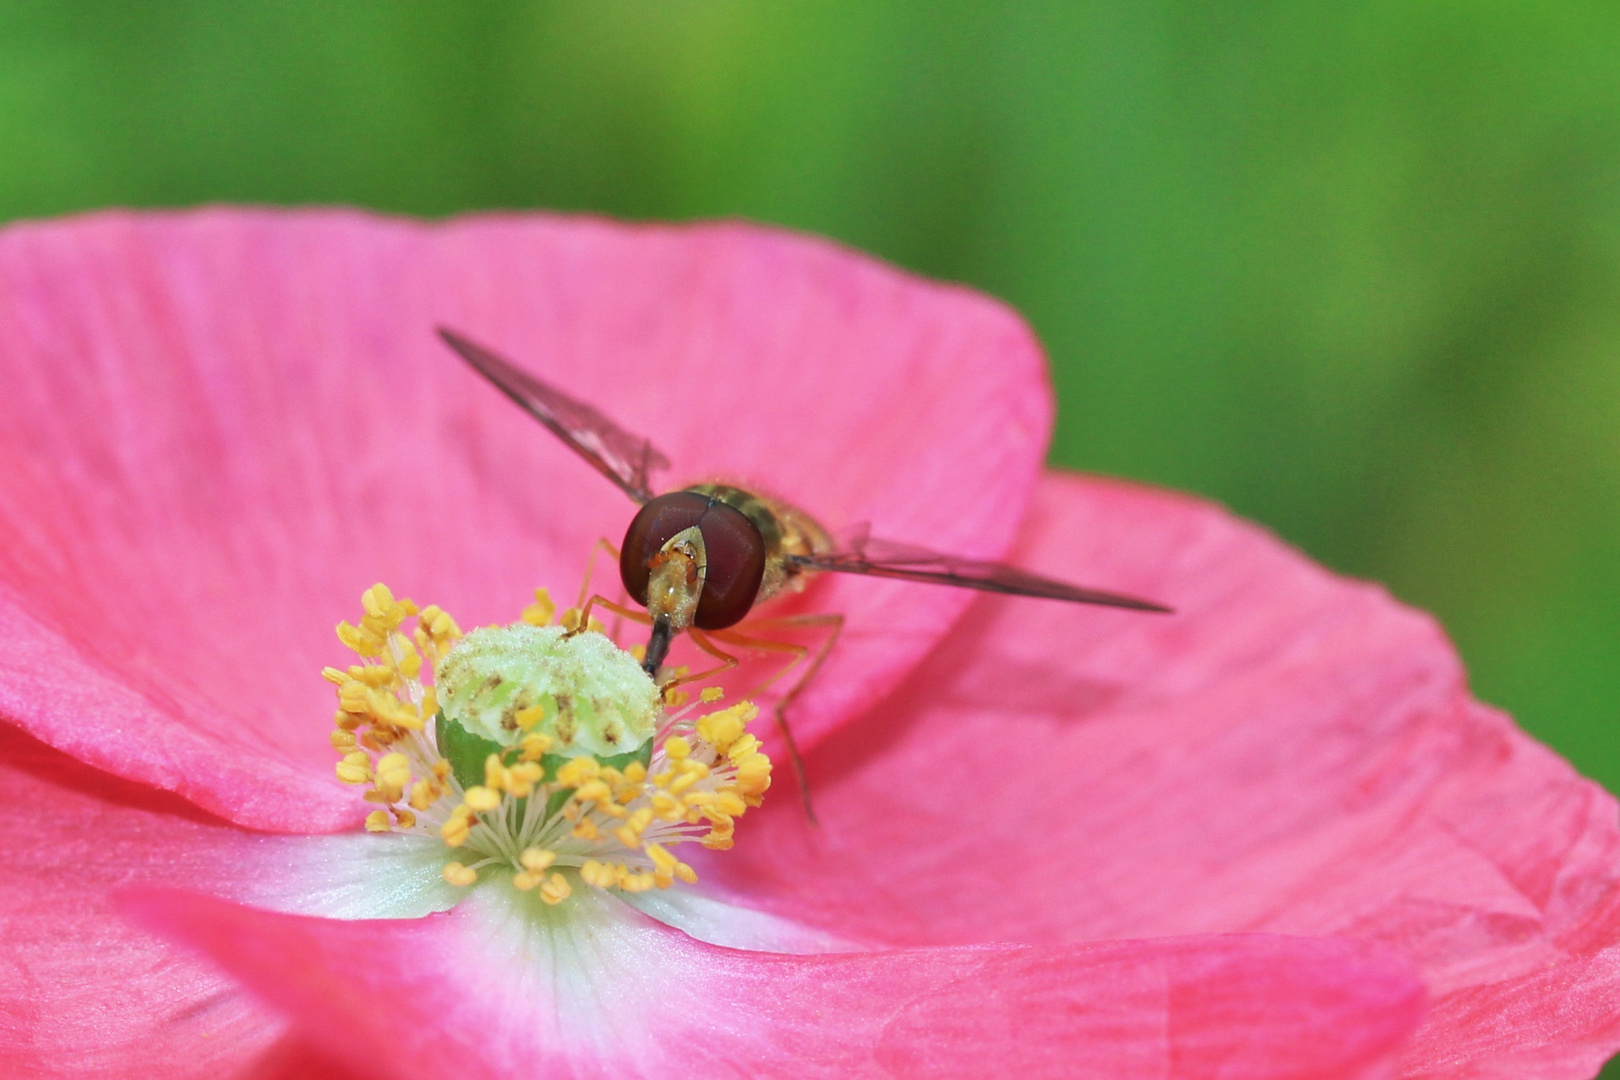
(734, 549)
(657, 521)
(736, 567)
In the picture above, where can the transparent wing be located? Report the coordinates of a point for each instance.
(623, 458)
(883, 558)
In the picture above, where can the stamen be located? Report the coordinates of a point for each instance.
(540, 612)
(539, 750)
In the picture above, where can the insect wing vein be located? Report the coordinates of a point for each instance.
(625, 458)
(883, 558)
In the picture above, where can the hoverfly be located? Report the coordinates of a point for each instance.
(699, 559)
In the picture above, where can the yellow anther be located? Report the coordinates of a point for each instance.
(342, 741)
(639, 653)
(377, 821)
(405, 818)
(719, 837)
(361, 641)
(355, 768)
(480, 799)
(600, 874)
(523, 881)
(577, 771)
(423, 795)
(458, 875)
(527, 718)
(457, 827)
(721, 729)
(533, 747)
(405, 716)
(662, 859)
(494, 772)
(540, 612)
(754, 775)
(674, 699)
(676, 748)
(537, 859)
(379, 603)
(376, 600)
(556, 889)
(410, 661)
(593, 791)
(586, 829)
(393, 773)
(333, 675)
(635, 773)
(435, 631)
(522, 778)
(629, 834)
(354, 696)
(711, 694)
(666, 807)
(438, 622)
(637, 882)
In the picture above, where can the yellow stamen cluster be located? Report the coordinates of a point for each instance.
(383, 705)
(545, 819)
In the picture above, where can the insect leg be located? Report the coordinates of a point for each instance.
(583, 618)
(706, 643)
(577, 617)
(834, 623)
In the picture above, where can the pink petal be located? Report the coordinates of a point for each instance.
(448, 995)
(1292, 752)
(81, 993)
(220, 427)
(295, 1059)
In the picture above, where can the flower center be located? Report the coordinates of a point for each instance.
(537, 751)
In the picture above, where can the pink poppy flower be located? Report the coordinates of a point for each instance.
(1271, 836)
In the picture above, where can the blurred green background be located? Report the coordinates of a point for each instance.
(1353, 269)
